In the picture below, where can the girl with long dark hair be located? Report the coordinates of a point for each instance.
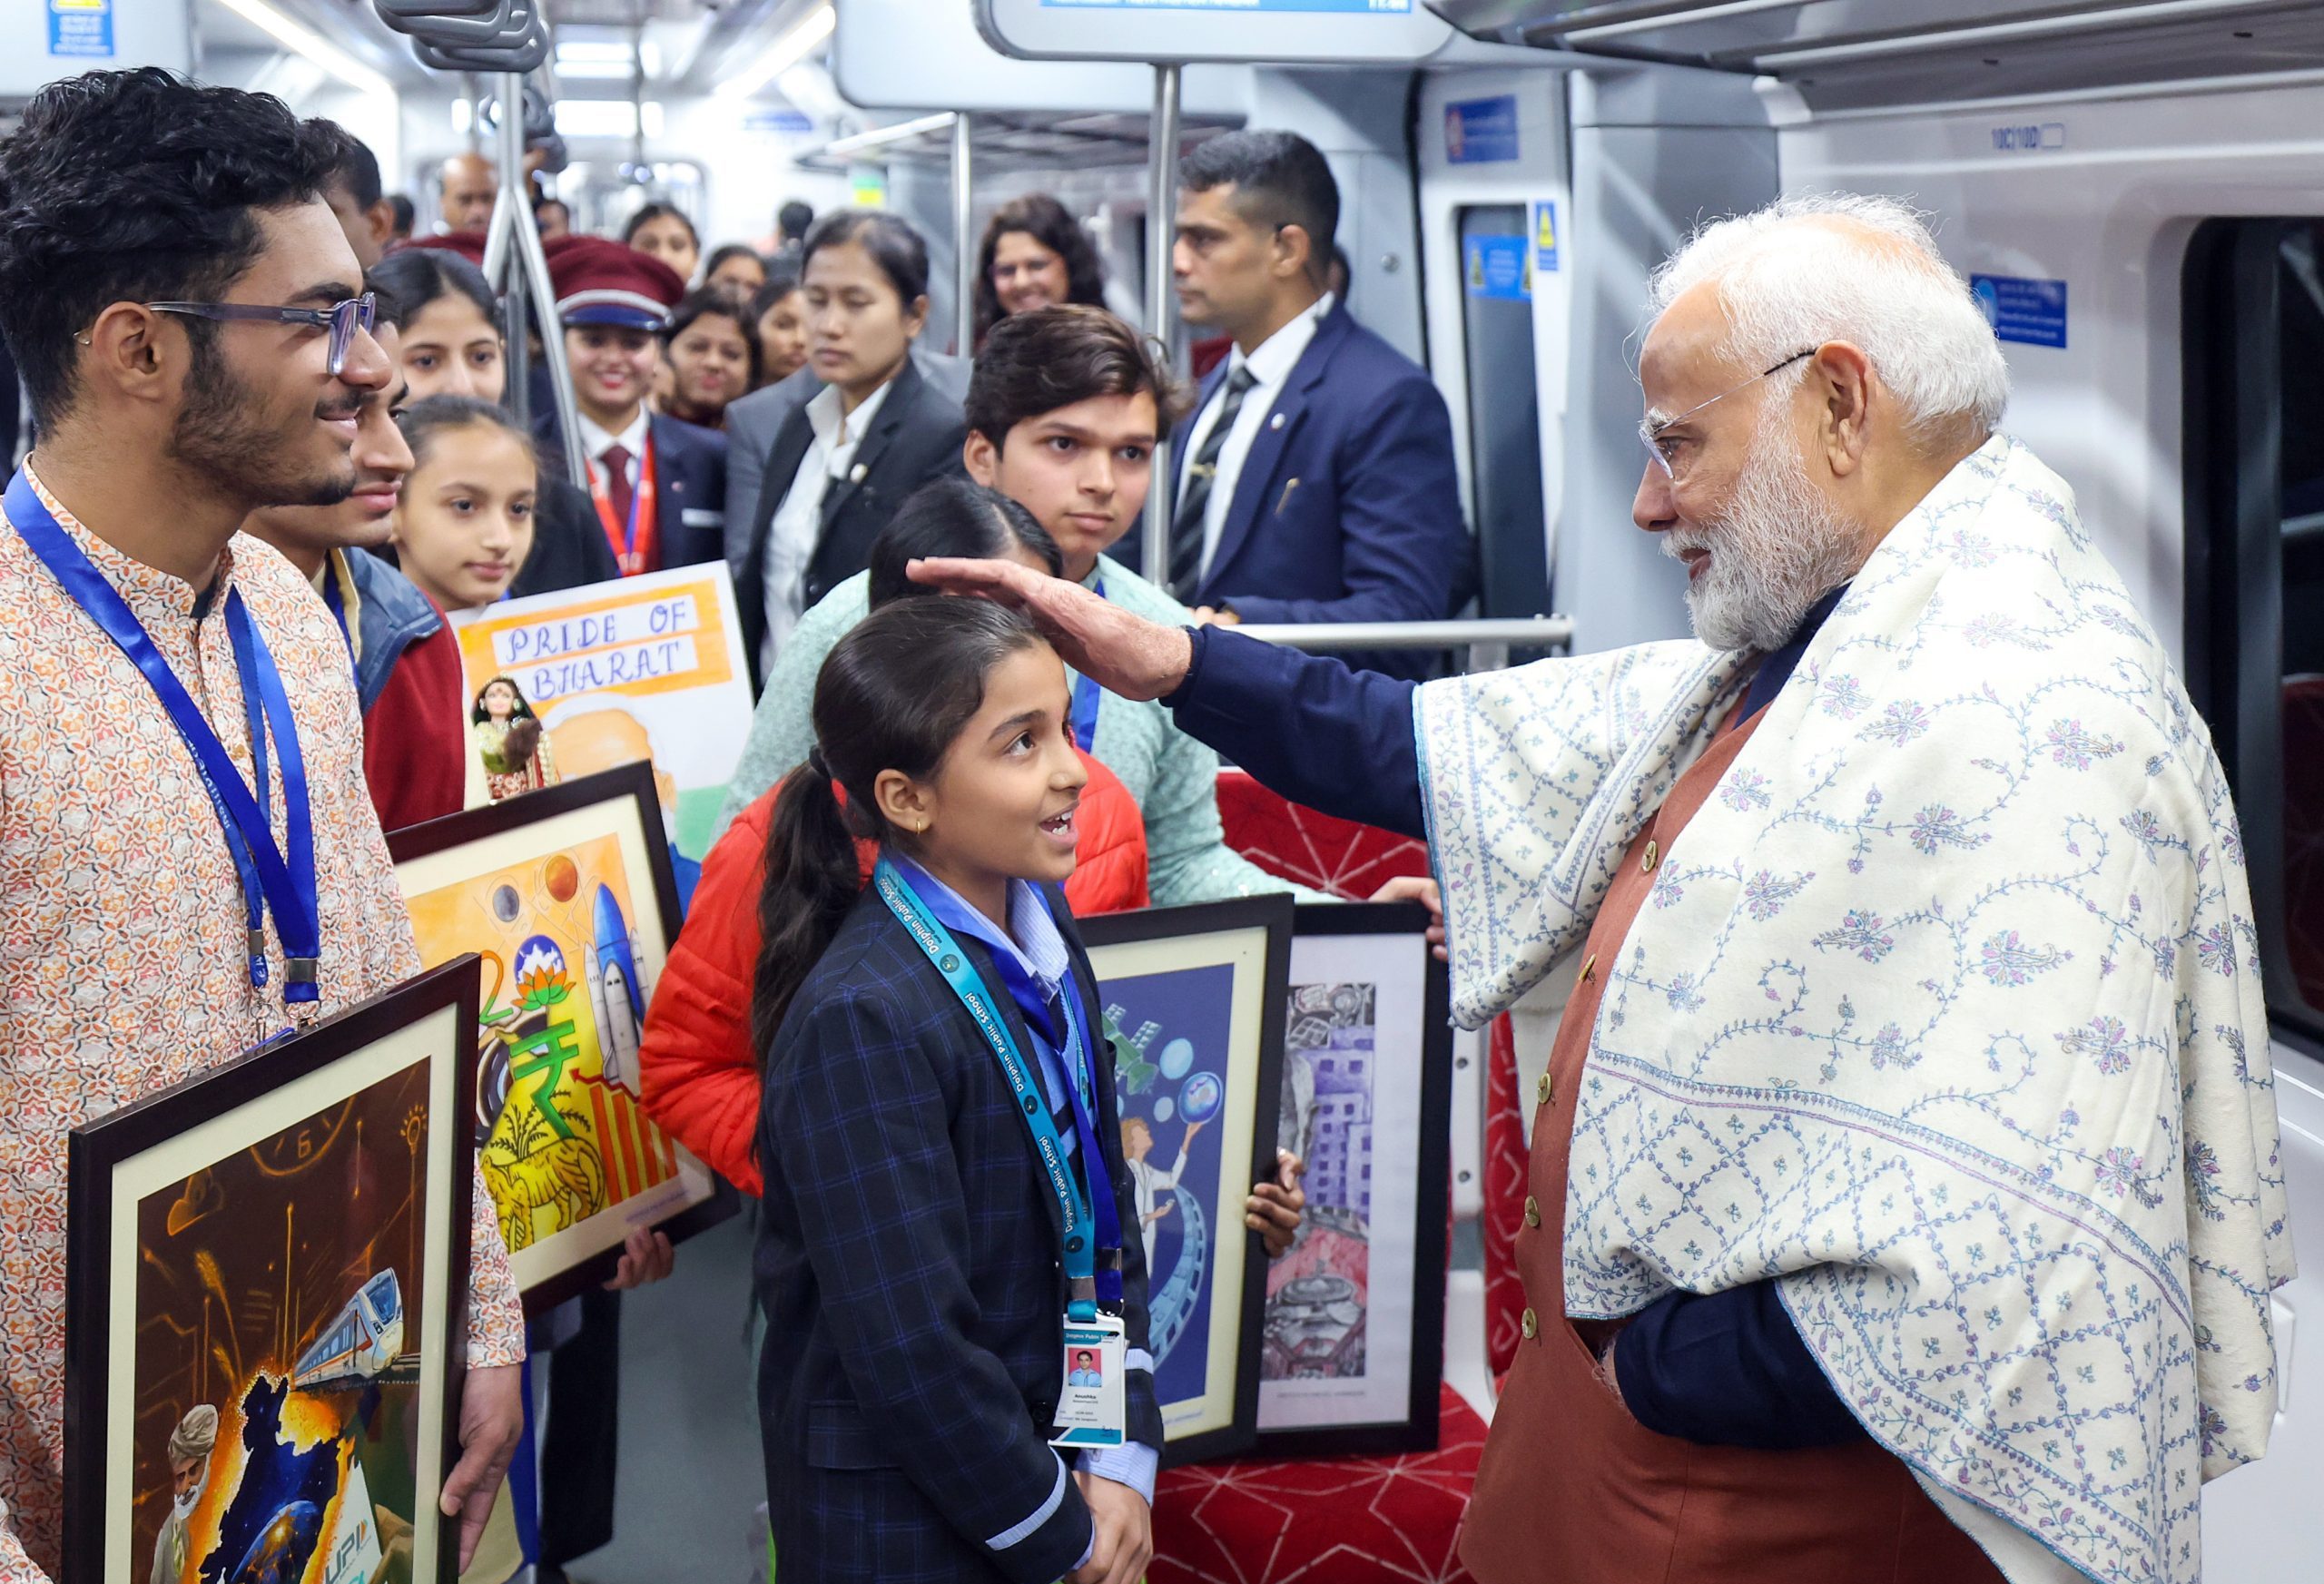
(922, 1275)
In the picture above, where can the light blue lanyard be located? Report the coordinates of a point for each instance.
(1093, 1224)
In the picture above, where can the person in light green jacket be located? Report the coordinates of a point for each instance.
(1064, 410)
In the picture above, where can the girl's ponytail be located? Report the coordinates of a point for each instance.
(811, 881)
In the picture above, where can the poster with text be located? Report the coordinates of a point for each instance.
(641, 668)
(1190, 1003)
(268, 1296)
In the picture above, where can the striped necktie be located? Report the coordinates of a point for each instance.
(1186, 530)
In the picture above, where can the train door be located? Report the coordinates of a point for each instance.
(2253, 334)
(1497, 256)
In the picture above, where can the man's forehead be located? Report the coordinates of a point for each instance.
(301, 248)
(1211, 205)
(1115, 420)
(1684, 349)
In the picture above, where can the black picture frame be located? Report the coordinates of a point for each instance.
(490, 834)
(99, 1153)
(1405, 924)
(1201, 928)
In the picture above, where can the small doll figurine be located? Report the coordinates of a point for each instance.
(509, 736)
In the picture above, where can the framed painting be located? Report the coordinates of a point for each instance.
(566, 895)
(1355, 1328)
(1194, 1000)
(266, 1306)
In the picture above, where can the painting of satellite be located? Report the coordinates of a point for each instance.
(268, 1266)
(567, 896)
(1193, 1000)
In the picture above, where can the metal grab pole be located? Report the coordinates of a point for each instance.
(516, 265)
(508, 218)
(964, 247)
(534, 261)
(1161, 224)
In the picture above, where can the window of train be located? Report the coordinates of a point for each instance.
(2254, 343)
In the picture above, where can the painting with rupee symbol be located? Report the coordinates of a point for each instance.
(266, 1302)
(566, 896)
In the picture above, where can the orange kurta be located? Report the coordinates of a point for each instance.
(1572, 1488)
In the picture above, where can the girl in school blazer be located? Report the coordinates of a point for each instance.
(911, 1254)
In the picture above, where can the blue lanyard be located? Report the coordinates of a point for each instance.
(268, 882)
(1086, 694)
(336, 601)
(1092, 1225)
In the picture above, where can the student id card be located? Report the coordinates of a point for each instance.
(1090, 1411)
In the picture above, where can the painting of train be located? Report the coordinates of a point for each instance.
(271, 1343)
(363, 1343)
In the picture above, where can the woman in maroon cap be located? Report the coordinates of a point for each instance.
(659, 485)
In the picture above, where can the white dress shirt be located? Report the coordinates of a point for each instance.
(798, 523)
(594, 439)
(1270, 362)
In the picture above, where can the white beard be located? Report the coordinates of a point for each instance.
(181, 1507)
(1777, 549)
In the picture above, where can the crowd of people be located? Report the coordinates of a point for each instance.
(266, 428)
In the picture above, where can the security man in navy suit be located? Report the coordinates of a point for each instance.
(1316, 480)
(659, 485)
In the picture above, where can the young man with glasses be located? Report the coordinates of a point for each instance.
(190, 324)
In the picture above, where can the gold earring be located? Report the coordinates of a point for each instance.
(920, 829)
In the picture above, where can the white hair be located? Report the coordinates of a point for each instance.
(1843, 267)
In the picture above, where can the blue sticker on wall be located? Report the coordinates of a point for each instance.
(1480, 131)
(2033, 312)
(1545, 236)
(80, 27)
(1499, 266)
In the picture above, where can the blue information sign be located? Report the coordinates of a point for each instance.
(2030, 311)
(1545, 235)
(1480, 131)
(1382, 7)
(1499, 266)
(80, 27)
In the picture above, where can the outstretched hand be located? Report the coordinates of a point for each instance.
(1122, 654)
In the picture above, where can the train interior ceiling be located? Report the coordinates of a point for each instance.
(2137, 188)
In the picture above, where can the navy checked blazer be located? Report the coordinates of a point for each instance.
(909, 1262)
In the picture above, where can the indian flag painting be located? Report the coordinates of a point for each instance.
(566, 894)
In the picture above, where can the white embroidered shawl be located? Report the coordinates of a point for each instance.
(1944, 1008)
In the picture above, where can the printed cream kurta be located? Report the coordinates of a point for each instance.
(1943, 1013)
(123, 966)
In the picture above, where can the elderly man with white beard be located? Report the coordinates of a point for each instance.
(1904, 1199)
